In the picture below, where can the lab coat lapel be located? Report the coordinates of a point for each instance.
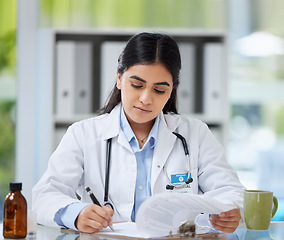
(113, 129)
(112, 123)
(164, 146)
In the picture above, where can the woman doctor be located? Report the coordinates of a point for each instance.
(146, 156)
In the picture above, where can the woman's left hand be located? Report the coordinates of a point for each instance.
(226, 221)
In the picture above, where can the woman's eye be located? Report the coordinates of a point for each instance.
(136, 86)
(159, 91)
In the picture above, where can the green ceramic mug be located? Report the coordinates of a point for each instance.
(259, 207)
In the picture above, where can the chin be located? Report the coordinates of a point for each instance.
(140, 120)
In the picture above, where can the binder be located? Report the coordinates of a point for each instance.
(73, 78)
(187, 75)
(65, 77)
(83, 78)
(214, 85)
(110, 51)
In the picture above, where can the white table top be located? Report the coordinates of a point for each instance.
(275, 232)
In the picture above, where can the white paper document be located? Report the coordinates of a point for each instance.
(126, 229)
(165, 212)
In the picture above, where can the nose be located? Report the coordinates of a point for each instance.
(146, 97)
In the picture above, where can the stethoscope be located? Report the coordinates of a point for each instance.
(170, 186)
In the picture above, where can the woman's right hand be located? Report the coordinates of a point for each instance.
(93, 218)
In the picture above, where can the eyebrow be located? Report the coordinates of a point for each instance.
(142, 80)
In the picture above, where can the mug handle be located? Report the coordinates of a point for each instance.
(275, 206)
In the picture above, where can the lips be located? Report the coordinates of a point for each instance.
(143, 109)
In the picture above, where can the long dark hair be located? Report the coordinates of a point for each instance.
(148, 48)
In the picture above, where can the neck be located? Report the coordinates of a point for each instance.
(141, 130)
(142, 127)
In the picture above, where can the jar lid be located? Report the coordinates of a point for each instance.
(15, 186)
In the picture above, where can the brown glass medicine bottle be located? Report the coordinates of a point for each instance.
(15, 213)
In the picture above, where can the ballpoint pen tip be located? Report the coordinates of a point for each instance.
(111, 228)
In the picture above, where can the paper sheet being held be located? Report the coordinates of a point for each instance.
(164, 213)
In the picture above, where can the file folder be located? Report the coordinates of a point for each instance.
(214, 85)
(73, 78)
(186, 89)
(110, 51)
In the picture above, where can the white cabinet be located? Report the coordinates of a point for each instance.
(78, 69)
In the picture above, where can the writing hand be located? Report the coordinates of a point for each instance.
(226, 221)
(93, 218)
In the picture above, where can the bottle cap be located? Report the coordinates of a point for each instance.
(15, 186)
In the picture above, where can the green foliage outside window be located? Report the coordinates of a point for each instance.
(7, 52)
(7, 68)
(280, 121)
(7, 146)
(133, 13)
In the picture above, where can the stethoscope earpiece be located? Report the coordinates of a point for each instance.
(189, 180)
(170, 187)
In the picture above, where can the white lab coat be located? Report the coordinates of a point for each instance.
(80, 161)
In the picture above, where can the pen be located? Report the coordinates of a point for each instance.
(95, 201)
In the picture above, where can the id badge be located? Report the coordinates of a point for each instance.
(180, 178)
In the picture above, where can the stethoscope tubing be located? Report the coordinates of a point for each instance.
(108, 153)
(172, 185)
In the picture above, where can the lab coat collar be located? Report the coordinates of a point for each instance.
(113, 129)
(112, 123)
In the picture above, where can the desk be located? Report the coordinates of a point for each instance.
(275, 232)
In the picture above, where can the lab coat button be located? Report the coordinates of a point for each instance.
(140, 187)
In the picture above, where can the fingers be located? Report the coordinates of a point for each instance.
(93, 218)
(226, 221)
(109, 211)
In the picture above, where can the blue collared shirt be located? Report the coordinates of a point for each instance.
(144, 158)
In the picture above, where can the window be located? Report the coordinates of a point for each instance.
(256, 144)
(7, 96)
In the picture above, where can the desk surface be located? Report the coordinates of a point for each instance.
(275, 232)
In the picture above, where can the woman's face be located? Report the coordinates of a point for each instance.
(145, 89)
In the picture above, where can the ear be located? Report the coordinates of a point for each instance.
(118, 80)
